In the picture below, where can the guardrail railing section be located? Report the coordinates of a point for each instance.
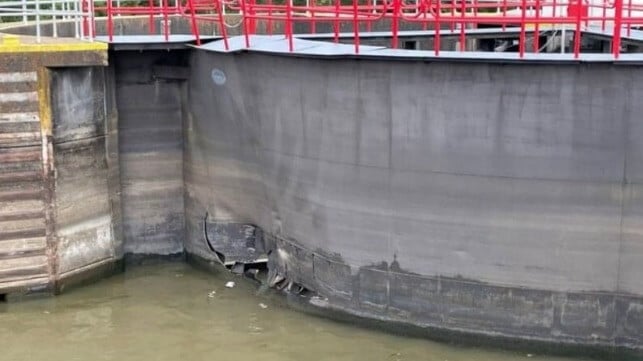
(532, 18)
(50, 13)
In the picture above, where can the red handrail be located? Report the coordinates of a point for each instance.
(530, 16)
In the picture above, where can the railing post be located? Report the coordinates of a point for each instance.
(537, 28)
(152, 26)
(289, 28)
(84, 27)
(618, 23)
(629, 16)
(604, 19)
(269, 17)
(452, 22)
(25, 19)
(426, 5)
(224, 32)
(38, 21)
(110, 23)
(523, 17)
(577, 34)
(195, 27)
(166, 25)
(563, 36)
(504, 14)
(394, 23)
(313, 23)
(336, 22)
(244, 22)
(76, 18)
(436, 40)
(355, 27)
(92, 20)
(463, 13)
(54, 12)
(252, 21)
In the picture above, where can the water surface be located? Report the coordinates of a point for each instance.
(174, 312)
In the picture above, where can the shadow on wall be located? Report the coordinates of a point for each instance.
(150, 96)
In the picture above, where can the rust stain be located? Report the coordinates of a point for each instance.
(44, 101)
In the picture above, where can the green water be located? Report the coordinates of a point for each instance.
(170, 312)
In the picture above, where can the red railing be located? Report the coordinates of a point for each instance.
(613, 17)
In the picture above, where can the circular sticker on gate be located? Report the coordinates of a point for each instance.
(218, 76)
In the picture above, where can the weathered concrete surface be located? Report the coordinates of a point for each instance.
(149, 103)
(60, 197)
(86, 220)
(490, 198)
(23, 245)
(40, 170)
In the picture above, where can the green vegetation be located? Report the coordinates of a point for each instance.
(5, 9)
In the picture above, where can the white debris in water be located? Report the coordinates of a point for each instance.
(318, 301)
(211, 294)
(263, 305)
(46, 312)
(255, 329)
(530, 355)
(230, 284)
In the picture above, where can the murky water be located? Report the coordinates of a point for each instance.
(170, 312)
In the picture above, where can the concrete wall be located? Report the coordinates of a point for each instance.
(59, 220)
(61, 204)
(496, 199)
(149, 99)
(492, 198)
(86, 218)
(23, 184)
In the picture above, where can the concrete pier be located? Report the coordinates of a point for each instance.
(59, 215)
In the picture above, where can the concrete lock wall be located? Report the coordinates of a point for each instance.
(82, 148)
(59, 189)
(492, 198)
(23, 239)
(86, 214)
(489, 198)
(149, 96)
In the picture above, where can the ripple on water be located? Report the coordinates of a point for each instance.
(174, 312)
